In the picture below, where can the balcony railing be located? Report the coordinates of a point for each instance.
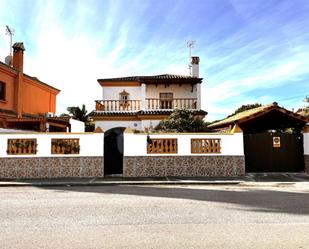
(179, 103)
(117, 105)
(150, 104)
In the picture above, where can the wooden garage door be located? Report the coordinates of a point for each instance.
(274, 152)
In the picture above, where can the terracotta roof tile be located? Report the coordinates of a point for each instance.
(253, 112)
(154, 77)
(142, 112)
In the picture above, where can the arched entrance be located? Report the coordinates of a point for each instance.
(113, 151)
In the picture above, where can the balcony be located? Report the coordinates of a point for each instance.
(164, 104)
(117, 105)
(149, 104)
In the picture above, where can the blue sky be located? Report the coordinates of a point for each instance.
(251, 51)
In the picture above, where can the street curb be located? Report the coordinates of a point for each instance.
(115, 183)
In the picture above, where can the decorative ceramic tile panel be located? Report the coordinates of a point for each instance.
(52, 167)
(161, 166)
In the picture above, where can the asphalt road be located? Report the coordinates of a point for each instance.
(155, 217)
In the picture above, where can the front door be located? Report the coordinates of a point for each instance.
(113, 151)
(274, 152)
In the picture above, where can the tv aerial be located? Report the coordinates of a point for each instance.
(10, 32)
(190, 45)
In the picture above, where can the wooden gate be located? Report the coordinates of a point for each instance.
(113, 151)
(274, 152)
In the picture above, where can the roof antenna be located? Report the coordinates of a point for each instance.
(190, 45)
(10, 32)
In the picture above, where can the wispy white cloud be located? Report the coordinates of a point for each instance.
(244, 48)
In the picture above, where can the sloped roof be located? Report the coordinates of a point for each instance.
(161, 77)
(7, 67)
(255, 112)
(141, 112)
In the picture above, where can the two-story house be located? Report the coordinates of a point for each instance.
(26, 102)
(141, 102)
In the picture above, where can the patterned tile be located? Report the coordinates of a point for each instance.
(44, 171)
(161, 162)
(149, 161)
(159, 171)
(170, 161)
(140, 172)
(184, 166)
(169, 170)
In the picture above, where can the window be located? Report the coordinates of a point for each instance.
(2, 90)
(124, 97)
(166, 100)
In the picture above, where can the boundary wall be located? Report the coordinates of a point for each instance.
(138, 163)
(89, 162)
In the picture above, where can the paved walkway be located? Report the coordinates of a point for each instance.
(249, 178)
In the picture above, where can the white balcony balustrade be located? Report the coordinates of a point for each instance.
(150, 104)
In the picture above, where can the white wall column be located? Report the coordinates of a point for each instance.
(198, 96)
(143, 96)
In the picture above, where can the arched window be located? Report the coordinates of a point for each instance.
(2, 90)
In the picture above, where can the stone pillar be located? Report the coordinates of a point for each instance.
(143, 96)
(198, 96)
(19, 94)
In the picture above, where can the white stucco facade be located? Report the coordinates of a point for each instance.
(179, 91)
(112, 93)
(151, 91)
(76, 125)
(134, 125)
(231, 144)
(91, 144)
(105, 125)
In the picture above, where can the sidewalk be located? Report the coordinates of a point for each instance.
(249, 178)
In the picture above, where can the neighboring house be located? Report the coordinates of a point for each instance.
(261, 119)
(141, 102)
(273, 138)
(26, 102)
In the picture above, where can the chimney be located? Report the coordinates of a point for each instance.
(195, 60)
(18, 56)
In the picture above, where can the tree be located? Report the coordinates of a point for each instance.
(245, 108)
(78, 113)
(304, 111)
(81, 114)
(182, 120)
